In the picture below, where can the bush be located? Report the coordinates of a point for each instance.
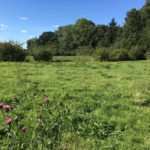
(147, 55)
(42, 55)
(102, 54)
(29, 59)
(137, 53)
(11, 51)
(118, 55)
(84, 51)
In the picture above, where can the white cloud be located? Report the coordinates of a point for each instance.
(3, 26)
(24, 18)
(24, 31)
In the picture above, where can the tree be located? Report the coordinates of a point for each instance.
(66, 38)
(47, 38)
(31, 43)
(111, 34)
(84, 37)
(83, 31)
(98, 36)
(112, 31)
(132, 29)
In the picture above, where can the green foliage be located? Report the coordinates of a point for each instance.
(47, 38)
(136, 53)
(109, 110)
(118, 55)
(132, 29)
(83, 31)
(147, 55)
(98, 36)
(102, 54)
(105, 54)
(32, 43)
(11, 51)
(66, 38)
(111, 34)
(69, 39)
(29, 59)
(42, 54)
(84, 51)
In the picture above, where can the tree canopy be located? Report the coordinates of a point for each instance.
(132, 38)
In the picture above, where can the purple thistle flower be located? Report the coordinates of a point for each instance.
(9, 121)
(24, 129)
(46, 100)
(6, 107)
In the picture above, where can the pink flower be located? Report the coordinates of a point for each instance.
(46, 100)
(1, 105)
(9, 121)
(6, 107)
(24, 129)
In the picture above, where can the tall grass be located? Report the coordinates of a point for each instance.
(75, 105)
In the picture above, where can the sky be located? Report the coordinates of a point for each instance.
(21, 20)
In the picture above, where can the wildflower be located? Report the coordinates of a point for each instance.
(1, 105)
(9, 121)
(24, 129)
(6, 107)
(46, 100)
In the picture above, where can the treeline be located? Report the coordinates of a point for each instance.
(82, 38)
(106, 42)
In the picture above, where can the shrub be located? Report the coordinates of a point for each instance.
(11, 51)
(102, 54)
(147, 55)
(137, 53)
(29, 59)
(84, 51)
(118, 55)
(42, 55)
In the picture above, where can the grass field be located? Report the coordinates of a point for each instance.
(93, 105)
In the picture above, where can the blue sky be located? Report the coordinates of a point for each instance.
(21, 20)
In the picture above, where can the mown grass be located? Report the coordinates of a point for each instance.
(93, 105)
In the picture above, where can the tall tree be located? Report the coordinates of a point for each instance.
(83, 31)
(112, 31)
(111, 34)
(31, 43)
(47, 38)
(66, 38)
(132, 29)
(145, 16)
(98, 36)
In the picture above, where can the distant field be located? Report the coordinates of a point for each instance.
(93, 105)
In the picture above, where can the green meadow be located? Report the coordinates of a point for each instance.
(92, 105)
